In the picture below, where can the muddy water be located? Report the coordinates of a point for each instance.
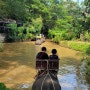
(17, 66)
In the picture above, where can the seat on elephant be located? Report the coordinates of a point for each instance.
(41, 64)
(53, 64)
(47, 64)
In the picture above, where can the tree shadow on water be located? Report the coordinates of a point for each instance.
(17, 55)
(4, 64)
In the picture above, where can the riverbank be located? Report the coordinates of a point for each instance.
(77, 45)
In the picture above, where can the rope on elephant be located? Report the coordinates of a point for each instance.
(44, 80)
(52, 82)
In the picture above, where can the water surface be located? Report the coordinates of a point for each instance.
(17, 66)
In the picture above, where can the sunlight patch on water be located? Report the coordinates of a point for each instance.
(69, 80)
(24, 86)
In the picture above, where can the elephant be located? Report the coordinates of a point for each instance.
(47, 81)
(38, 42)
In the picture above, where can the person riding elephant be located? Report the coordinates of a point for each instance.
(42, 55)
(55, 57)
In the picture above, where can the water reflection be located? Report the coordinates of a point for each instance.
(69, 80)
(22, 53)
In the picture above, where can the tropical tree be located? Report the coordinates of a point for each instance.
(3, 11)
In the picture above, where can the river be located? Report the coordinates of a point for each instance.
(17, 66)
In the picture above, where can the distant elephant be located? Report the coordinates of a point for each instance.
(38, 42)
(46, 82)
(43, 40)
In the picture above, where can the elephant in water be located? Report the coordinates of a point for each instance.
(47, 81)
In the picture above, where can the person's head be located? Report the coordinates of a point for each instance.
(44, 49)
(54, 51)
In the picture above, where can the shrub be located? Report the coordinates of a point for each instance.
(87, 60)
(87, 36)
(57, 39)
(3, 87)
(88, 50)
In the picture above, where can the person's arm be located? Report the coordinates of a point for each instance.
(38, 56)
(47, 57)
(58, 58)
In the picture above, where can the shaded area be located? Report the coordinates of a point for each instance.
(20, 53)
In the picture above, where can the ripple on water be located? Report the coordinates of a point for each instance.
(68, 79)
(24, 86)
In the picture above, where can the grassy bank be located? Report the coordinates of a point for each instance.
(76, 45)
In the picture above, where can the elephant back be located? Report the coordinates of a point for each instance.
(46, 82)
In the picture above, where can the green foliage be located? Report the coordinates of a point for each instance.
(87, 36)
(47, 15)
(77, 28)
(16, 10)
(1, 47)
(36, 25)
(57, 35)
(29, 32)
(12, 35)
(56, 39)
(87, 4)
(87, 65)
(3, 87)
(88, 50)
(64, 23)
(53, 13)
(79, 46)
(20, 32)
(87, 23)
(3, 11)
(26, 32)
